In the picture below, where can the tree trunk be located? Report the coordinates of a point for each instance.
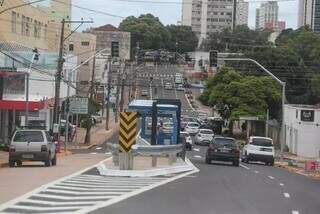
(231, 122)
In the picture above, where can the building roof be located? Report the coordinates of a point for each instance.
(107, 27)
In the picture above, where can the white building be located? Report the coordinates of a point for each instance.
(266, 14)
(302, 130)
(242, 12)
(309, 14)
(206, 16)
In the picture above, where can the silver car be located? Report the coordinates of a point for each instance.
(32, 145)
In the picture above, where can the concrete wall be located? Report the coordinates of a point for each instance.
(302, 137)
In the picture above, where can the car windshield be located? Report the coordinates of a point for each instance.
(220, 142)
(261, 142)
(206, 132)
(193, 125)
(28, 136)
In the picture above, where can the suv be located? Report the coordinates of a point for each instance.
(192, 128)
(223, 149)
(259, 149)
(32, 145)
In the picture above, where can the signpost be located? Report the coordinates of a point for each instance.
(79, 105)
(127, 137)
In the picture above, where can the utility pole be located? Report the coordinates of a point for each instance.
(117, 97)
(56, 107)
(108, 93)
(122, 91)
(67, 103)
(234, 15)
(92, 86)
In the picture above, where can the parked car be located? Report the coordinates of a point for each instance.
(32, 145)
(259, 149)
(188, 140)
(223, 149)
(204, 137)
(144, 93)
(192, 128)
(180, 87)
(97, 118)
(168, 86)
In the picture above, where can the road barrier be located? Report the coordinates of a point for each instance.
(154, 151)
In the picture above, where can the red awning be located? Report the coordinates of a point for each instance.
(20, 105)
(8, 74)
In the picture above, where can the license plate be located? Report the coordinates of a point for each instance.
(27, 156)
(266, 149)
(225, 150)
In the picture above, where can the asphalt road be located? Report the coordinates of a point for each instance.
(220, 187)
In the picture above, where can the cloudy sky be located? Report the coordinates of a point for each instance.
(169, 11)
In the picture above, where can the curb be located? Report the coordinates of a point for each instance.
(147, 173)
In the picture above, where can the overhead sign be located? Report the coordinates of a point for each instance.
(79, 105)
(128, 130)
(307, 115)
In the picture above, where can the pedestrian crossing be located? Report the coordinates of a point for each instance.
(78, 193)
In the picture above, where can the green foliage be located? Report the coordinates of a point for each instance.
(234, 95)
(152, 34)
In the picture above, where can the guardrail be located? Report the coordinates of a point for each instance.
(145, 150)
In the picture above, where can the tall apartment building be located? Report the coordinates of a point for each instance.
(242, 12)
(309, 14)
(268, 13)
(207, 16)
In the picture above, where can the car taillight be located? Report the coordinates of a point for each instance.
(44, 148)
(12, 148)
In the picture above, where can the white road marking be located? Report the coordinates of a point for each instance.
(256, 171)
(271, 177)
(189, 103)
(281, 184)
(98, 148)
(286, 195)
(93, 153)
(195, 149)
(197, 156)
(243, 166)
(295, 212)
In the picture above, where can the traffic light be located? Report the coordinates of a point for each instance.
(115, 49)
(213, 58)
(36, 54)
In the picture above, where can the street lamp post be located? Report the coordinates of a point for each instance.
(283, 84)
(35, 57)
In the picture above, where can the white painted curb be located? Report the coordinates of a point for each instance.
(146, 173)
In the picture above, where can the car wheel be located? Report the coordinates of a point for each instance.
(236, 163)
(208, 161)
(19, 163)
(11, 163)
(47, 162)
(54, 160)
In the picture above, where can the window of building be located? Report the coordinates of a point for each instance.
(13, 22)
(71, 47)
(39, 29)
(215, 13)
(45, 31)
(222, 13)
(35, 29)
(229, 14)
(85, 43)
(222, 6)
(23, 25)
(198, 19)
(222, 20)
(86, 63)
(27, 26)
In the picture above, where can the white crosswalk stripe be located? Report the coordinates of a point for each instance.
(79, 192)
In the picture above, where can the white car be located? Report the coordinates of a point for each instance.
(192, 128)
(167, 127)
(180, 87)
(168, 86)
(144, 93)
(204, 136)
(259, 149)
(32, 145)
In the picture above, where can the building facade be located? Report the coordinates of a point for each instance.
(83, 45)
(110, 37)
(267, 13)
(309, 14)
(302, 130)
(242, 12)
(207, 16)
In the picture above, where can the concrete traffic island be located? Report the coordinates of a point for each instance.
(142, 167)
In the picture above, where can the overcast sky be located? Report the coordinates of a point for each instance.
(168, 13)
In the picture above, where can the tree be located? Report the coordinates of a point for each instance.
(234, 95)
(147, 30)
(183, 37)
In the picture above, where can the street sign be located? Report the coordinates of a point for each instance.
(78, 105)
(128, 130)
